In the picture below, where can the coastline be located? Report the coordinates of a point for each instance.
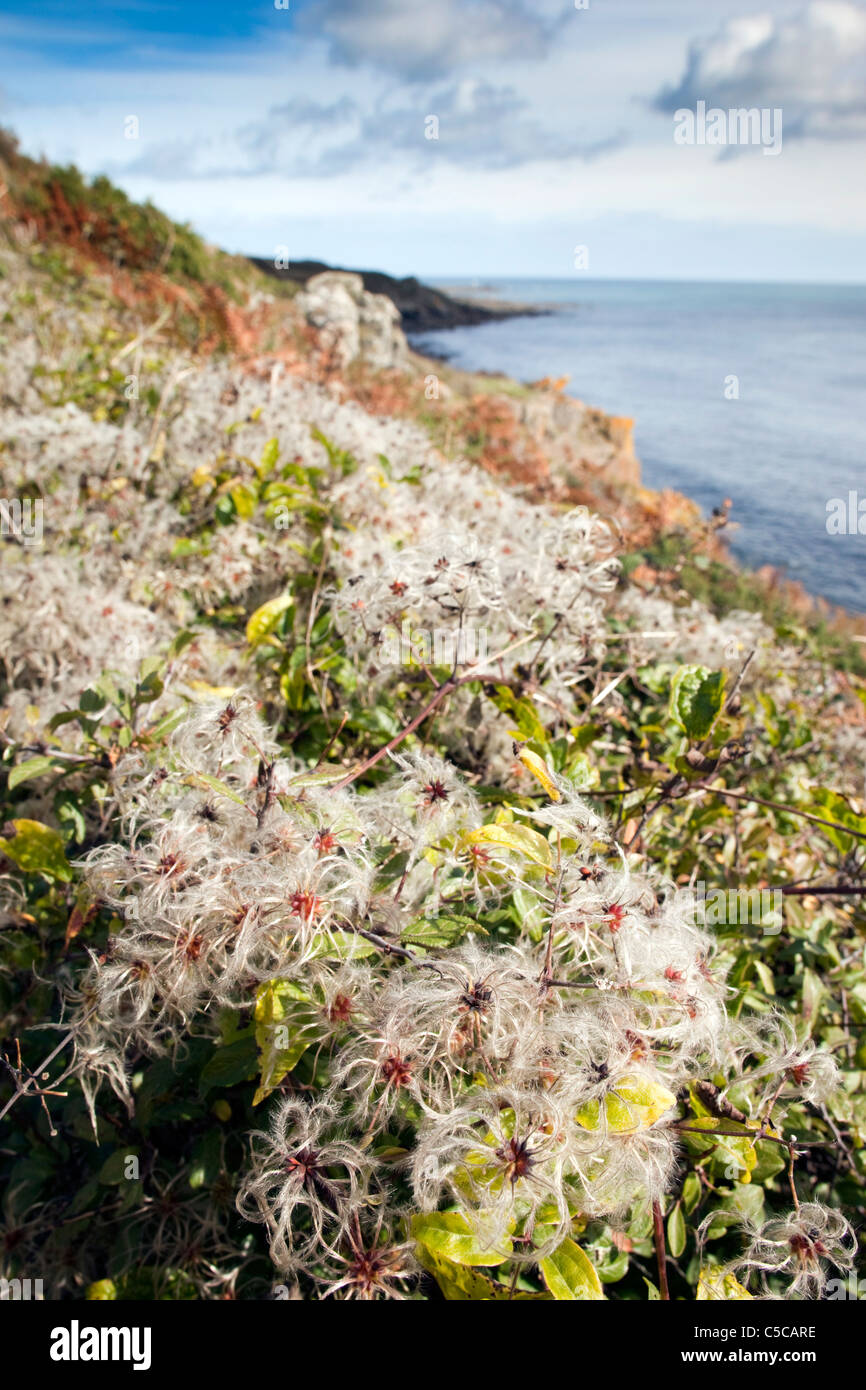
(654, 354)
(423, 308)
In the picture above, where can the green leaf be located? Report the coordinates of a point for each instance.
(692, 1191)
(245, 499)
(342, 945)
(318, 777)
(813, 993)
(113, 1170)
(270, 454)
(169, 722)
(530, 913)
(523, 712)
(436, 933)
(36, 849)
(831, 806)
(771, 1160)
(697, 696)
(570, 1274)
(206, 1160)
(93, 701)
(229, 1065)
(732, 1151)
(449, 1234)
(676, 1231)
(33, 767)
(221, 788)
(285, 1027)
(461, 1283)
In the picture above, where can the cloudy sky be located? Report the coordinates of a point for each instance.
(307, 128)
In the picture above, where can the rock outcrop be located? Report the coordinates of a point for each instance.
(578, 443)
(578, 439)
(353, 324)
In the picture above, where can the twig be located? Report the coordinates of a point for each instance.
(311, 618)
(754, 1135)
(661, 1251)
(778, 806)
(823, 890)
(25, 1088)
(446, 688)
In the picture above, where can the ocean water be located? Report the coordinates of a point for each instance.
(663, 352)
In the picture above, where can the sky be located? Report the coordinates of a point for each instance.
(483, 138)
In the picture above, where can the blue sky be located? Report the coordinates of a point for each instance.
(306, 130)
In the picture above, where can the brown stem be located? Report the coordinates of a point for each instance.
(443, 690)
(547, 972)
(24, 1088)
(778, 806)
(446, 688)
(661, 1252)
(791, 1154)
(825, 890)
(754, 1135)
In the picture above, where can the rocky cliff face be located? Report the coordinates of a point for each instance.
(552, 433)
(578, 439)
(351, 323)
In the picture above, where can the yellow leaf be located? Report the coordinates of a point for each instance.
(36, 848)
(103, 1291)
(539, 769)
(518, 839)
(212, 692)
(714, 1284)
(460, 1283)
(285, 1028)
(634, 1103)
(570, 1274)
(265, 619)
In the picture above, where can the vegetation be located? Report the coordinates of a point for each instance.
(398, 898)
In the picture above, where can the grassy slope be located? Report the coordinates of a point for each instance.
(131, 270)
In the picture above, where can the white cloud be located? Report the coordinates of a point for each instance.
(811, 64)
(428, 40)
(529, 154)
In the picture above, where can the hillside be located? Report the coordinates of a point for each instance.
(429, 855)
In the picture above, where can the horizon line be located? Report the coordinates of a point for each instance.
(440, 279)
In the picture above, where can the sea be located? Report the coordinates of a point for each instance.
(756, 392)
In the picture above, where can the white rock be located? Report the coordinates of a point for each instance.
(353, 324)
